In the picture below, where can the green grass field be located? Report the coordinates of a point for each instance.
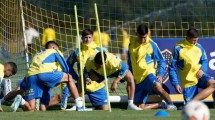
(119, 112)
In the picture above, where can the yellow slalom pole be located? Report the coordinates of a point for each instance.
(80, 56)
(103, 62)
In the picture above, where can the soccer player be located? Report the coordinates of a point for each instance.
(88, 48)
(143, 53)
(48, 35)
(114, 68)
(190, 60)
(47, 70)
(6, 70)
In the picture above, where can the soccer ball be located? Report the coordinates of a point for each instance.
(195, 110)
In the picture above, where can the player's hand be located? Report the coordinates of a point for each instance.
(160, 79)
(113, 86)
(178, 89)
(88, 81)
(200, 73)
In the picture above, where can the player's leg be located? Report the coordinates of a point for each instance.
(55, 100)
(130, 90)
(99, 99)
(208, 86)
(141, 94)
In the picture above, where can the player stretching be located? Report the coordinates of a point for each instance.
(143, 53)
(115, 68)
(190, 60)
(88, 48)
(47, 70)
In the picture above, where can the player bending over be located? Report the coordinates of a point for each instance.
(47, 70)
(114, 68)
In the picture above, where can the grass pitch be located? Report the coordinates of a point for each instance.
(119, 112)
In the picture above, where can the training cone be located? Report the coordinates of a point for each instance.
(162, 113)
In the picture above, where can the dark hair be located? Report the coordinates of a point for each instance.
(86, 32)
(142, 29)
(192, 33)
(49, 43)
(98, 58)
(14, 67)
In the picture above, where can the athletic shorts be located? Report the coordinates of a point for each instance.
(144, 88)
(190, 92)
(40, 85)
(98, 97)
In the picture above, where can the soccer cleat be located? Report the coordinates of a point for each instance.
(16, 103)
(171, 107)
(73, 108)
(133, 107)
(162, 105)
(82, 109)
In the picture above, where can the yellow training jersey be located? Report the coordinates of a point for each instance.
(104, 36)
(112, 64)
(48, 60)
(48, 35)
(1, 71)
(188, 59)
(141, 59)
(87, 51)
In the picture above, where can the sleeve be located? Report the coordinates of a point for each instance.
(123, 69)
(36, 34)
(158, 57)
(44, 38)
(87, 69)
(71, 61)
(173, 68)
(204, 61)
(62, 62)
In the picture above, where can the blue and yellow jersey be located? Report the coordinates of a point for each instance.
(87, 51)
(48, 35)
(48, 60)
(187, 59)
(142, 58)
(1, 71)
(104, 36)
(112, 63)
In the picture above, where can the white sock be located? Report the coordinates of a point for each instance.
(79, 102)
(22, 102)
(130, 102)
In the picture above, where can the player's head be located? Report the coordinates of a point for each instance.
(192, 36)
(87, 36)
(142, 32)
(98, 59)
(10, 68)
(52, 45)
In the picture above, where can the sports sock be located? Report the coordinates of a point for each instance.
(78, 102)
(130, 102)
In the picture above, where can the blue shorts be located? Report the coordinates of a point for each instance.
(144, 88)
(98, 97)
(190, 92)
(40, 85)
(46, 97)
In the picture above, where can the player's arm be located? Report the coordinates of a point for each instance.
(71, 61)
(204, 61)
(173, 70)
(158, 57)
(62, 62)
(129, 61)
(86, 73)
